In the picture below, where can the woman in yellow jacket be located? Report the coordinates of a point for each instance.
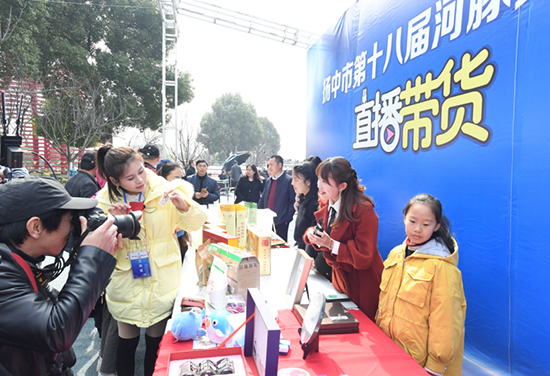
(147, 276)
(422, 305)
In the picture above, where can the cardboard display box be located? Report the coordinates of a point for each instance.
(243, 268)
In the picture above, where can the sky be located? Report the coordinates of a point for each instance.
(268, 74)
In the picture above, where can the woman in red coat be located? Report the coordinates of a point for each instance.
(348, 241)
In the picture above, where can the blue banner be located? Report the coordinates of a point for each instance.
(447, 98)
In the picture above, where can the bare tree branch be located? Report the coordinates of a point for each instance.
(188, 147)
(137, 138)
(10, 24)
(74, 115)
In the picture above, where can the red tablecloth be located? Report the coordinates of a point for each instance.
(369, 352)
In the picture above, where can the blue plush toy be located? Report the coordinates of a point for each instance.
(219, 328)
(187, 325)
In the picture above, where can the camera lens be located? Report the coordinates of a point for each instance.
(128, 225)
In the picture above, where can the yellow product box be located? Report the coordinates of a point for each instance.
(243, 268)
(259, 244)
(240, 225)
(228, 213)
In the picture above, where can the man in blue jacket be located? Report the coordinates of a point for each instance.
(207, 190)
(279, 196)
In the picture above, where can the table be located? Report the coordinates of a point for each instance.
(369, 352)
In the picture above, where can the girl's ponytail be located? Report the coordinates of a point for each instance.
(444, 234)
(100, 160)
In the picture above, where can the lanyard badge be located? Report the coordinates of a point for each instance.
(140, 264)
(140, 258)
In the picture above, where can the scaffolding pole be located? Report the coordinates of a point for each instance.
(168, 9)
(223, 17)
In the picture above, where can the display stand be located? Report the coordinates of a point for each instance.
(309, 332)
(298, 278)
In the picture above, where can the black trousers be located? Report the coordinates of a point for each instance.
(282, 230)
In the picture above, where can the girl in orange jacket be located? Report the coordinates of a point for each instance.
(422, 305)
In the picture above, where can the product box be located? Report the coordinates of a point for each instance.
(240, 225)
(243, 268)
(228, 213)
(196, 356)
(251, 213)
(217, 235)
(259, 244)
(234, 217)
(262, 335)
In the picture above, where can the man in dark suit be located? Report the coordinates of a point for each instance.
(279, 196)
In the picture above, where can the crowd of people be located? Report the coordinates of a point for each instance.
(415, 296)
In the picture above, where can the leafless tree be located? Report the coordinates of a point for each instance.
(136, 138)
(74, 116)
(10, 23)
(188, 147)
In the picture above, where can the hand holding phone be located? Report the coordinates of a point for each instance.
(318, 228)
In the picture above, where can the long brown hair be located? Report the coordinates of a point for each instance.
(256, 173)
(341, 171)
(111, 163)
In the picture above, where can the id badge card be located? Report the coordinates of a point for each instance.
(140, 264)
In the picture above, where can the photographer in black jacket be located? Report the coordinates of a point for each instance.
(38, 325)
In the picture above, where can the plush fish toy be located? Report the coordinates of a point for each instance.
(187, 325)
(218, 328)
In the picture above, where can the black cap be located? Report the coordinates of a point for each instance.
(150, 151)
(34, 196)
(87, 162)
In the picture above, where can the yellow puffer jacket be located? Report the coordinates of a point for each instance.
(422, 306)
(146, 301)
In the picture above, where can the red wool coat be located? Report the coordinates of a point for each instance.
(357, 268)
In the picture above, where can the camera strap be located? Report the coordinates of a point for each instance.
(26, 268)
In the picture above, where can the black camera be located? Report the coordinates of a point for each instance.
(128, 224)
(318, 228)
